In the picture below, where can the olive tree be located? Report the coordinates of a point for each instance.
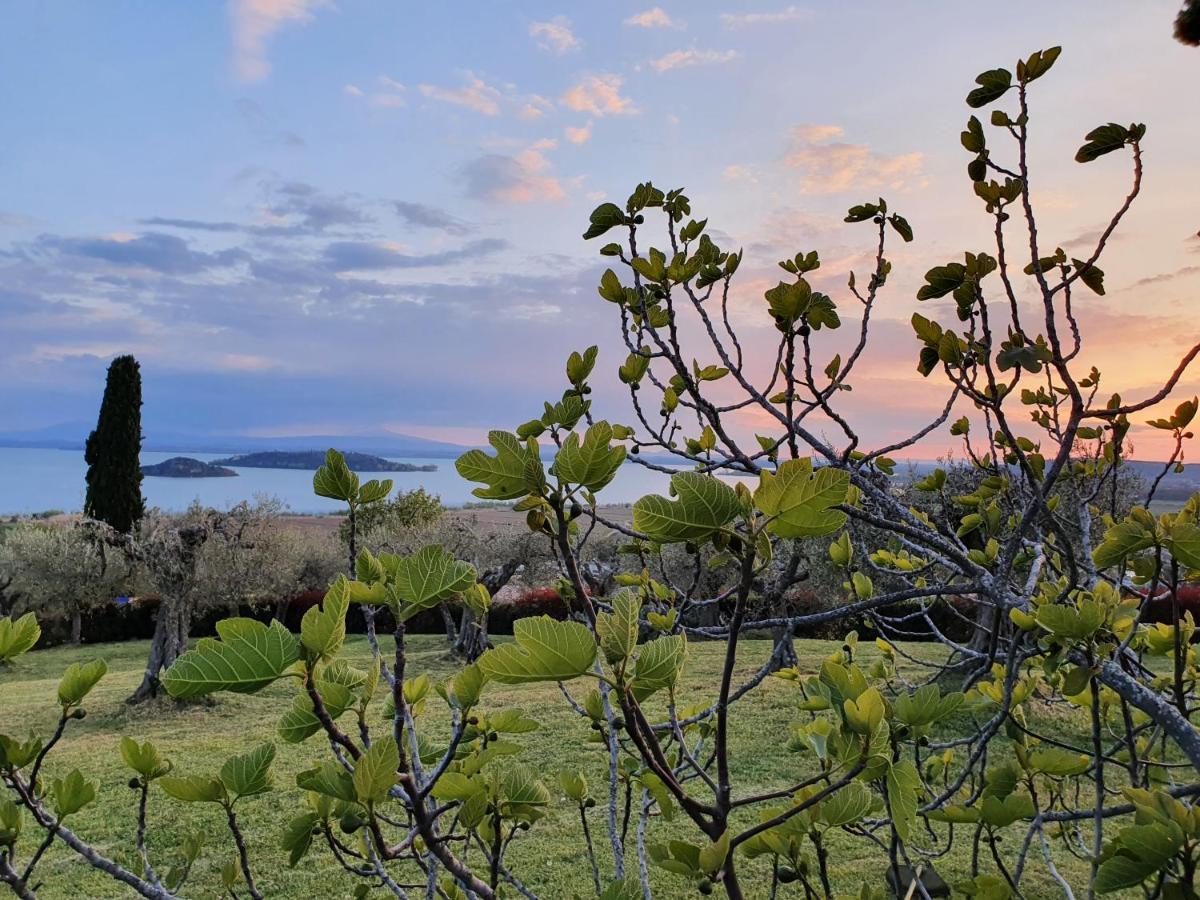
(406, 511)
(207, 558)
(63, 570)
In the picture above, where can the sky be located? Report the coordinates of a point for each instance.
(316, 217)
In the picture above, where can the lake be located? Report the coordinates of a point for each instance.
(35, 480)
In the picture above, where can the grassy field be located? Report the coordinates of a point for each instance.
(549, 859)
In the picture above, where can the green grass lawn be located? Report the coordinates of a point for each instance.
(550, 858)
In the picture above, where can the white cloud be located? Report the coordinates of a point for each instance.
(353, 90)
(599, 95)
(653, 18)
(534, 311)
(829, 167)
(555, 35)
(578, 135)
(681, 59)
(254, 22)
(476, 94)
(61, 352)
(788, 14)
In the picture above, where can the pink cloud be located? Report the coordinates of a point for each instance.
(476, 94)
(599, 95)
(536, 182)
(827, 167)
(555, 35)
(246, 362)
(816, 134)
(578, 135)
(524, 177)
(254, 22)
(534, 108)
(682, 59)
(656, 17)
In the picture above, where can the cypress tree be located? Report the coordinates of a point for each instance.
(113, 450)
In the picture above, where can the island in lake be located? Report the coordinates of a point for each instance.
(186, 467)
(314, 459)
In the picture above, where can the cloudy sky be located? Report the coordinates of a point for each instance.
(343, 217)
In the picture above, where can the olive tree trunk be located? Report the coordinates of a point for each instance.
(174, 615)
(472, 637)
(784, 655)
(8, 596)
(448, 622)
(170, 641)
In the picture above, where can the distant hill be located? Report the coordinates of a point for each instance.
(312, 460)
(72, 435)
(1176, 486)
(186, 467)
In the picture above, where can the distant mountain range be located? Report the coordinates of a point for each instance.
(72, 435)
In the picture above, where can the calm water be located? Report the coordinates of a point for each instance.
(36, 480)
